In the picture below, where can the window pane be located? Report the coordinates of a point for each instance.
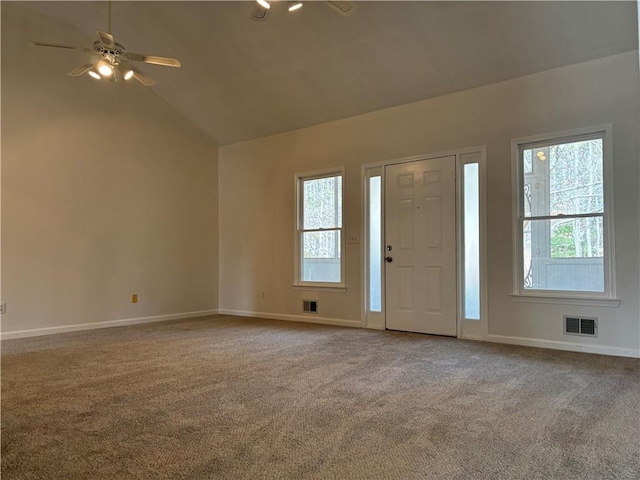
(375, 245)
(528, 193)
(527, 161)
(321, 256)
(576, 238)
(564, 254)
(322, 203)
(564, 179)
(471, 242)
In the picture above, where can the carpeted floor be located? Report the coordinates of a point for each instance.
(235, 398)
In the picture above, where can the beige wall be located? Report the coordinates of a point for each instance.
(257, 213)
(105, 192)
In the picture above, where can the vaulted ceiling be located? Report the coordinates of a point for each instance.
(241, 79)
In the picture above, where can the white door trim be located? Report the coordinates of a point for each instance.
(471, 329)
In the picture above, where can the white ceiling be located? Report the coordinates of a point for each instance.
(243, 79)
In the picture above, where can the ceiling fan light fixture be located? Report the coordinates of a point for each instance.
(110, 60)
(264, 4)
(104, 68)
(293, 6)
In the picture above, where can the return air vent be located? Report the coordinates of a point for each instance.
(310, 306)
(584, 326)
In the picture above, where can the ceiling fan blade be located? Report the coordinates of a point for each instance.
(76, 72)
(56, 45)
(106, 39)
(260, 14)
(342, 7)
(143, 78)
(66, 47)
(155, 60)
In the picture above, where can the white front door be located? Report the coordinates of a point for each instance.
(420, 246)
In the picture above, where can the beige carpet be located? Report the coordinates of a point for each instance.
(234, 398)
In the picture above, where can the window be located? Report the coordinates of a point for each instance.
(471, 240)
(373, 265)
(375, 243)
(319, 229)
(563, 211)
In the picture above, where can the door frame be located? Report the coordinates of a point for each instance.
(469, 329)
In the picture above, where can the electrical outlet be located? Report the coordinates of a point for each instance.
(353, 238)
(3, 307)
(134, 298)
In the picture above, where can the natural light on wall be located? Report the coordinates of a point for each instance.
(471, 242)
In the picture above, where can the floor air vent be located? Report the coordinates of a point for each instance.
(584, 326)
(310, 306)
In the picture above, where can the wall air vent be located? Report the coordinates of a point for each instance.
(310, 306)
(584, 326)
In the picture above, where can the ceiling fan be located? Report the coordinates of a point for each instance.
(262, 8)
(110, 60)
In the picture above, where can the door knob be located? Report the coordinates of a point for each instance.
(389, 259)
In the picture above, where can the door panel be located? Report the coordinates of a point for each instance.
(434, 289)
(405, 214)
(420, 229)
(405, 292)
(433, 221)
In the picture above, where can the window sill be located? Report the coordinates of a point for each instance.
(589, 301)
(321, 288)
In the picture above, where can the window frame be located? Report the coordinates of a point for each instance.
(608, 296)
(300, 178)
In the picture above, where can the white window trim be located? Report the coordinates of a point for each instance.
(606, 298)
(298, 283)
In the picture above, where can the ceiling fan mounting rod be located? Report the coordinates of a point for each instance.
(109, 16)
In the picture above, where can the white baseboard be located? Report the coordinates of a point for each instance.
(110, 323)
(568, 346)
(471, 337)
(293, 318)
(375, 327)
(529, 342)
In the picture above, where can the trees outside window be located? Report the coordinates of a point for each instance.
(561, 214)
(320, 228)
